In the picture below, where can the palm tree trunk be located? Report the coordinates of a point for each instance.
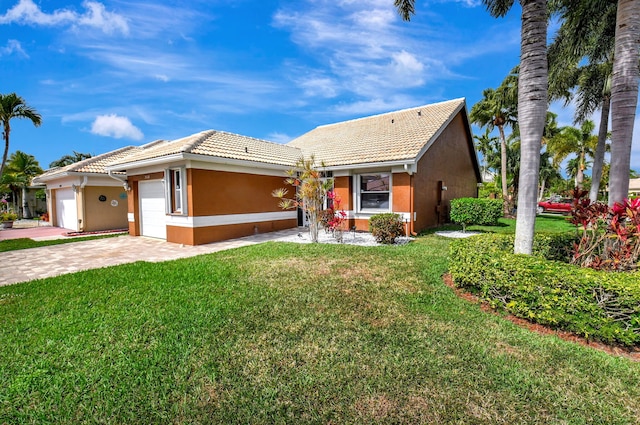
(25, 205)
(624, 96)
(542, 187)
(5, 135)
(506, 202)
(532, 113)
(580, 172)
(598, 158)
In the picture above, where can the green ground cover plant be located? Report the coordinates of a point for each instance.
(289, 333)
(26, 243)
(593, 304)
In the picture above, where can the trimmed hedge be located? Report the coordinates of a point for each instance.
(468, 211)
(594, 304)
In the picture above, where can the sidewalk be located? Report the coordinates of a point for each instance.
(36, 263)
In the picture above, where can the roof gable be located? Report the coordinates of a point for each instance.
(394, 136)
(94, 165)
(220, 144)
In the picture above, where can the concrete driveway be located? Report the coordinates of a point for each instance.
(35, 263)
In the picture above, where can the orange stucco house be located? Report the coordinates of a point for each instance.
(214, 185)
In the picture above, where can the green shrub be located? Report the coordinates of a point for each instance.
(386, 227)
(594, 304)
(467, 211)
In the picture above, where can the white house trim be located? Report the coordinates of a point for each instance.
(223, 220)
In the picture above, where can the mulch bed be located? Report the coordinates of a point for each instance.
(630, 353)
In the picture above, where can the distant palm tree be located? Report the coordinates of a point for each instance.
(486, 145)
(13, 106)
(581, 58)
(575, 170)
(497, 109)
(23, 167)
(571, 140)
(69, 159)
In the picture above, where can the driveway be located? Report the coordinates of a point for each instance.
(36, 263)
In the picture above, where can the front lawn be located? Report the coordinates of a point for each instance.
(548, 223)
(544, 223)
(289, 333)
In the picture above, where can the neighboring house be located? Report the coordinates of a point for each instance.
(634, 187)
(214, 185)
(84, 197)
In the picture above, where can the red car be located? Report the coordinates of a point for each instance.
(556, 205)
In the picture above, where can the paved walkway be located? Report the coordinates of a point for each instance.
(36, 263)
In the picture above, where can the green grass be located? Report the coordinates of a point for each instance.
(26, 243)
(288, 333)
(548, 223)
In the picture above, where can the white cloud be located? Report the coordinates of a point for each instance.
(370, 106)
(26, 12)
(98, 17)
(279, 137)
(319, 86)
(13, 46)
(364, 51)
(116, 126)
(468, 3)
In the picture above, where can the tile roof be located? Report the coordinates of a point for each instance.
(93, 165)
(222, 145)
(394, 136)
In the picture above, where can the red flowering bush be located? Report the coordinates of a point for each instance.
(610, 237)
(333, 220)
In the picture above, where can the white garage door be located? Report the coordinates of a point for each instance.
(66, 211)
(152, 205)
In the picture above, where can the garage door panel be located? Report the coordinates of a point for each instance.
(152, 209)
(66, 209)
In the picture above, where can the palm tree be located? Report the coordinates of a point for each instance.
(575, 170)
(23, 167)
(624, 96)
(532, 104)
(69, 159)
(576, 141)
(13, 106)
(486, 145)
(581, 57)
(497, 109)
(548, 172)
(532, 109)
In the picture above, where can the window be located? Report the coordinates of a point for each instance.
(175, 191)
(375, 192)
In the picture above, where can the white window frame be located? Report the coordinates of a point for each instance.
(175, 195)
(359, 192)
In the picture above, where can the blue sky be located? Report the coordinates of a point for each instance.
(111, 73)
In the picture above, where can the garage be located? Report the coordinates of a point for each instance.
(152, 209)
(66, 211)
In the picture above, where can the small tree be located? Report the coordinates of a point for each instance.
(311, 190)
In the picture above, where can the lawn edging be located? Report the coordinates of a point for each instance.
(593, 304)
